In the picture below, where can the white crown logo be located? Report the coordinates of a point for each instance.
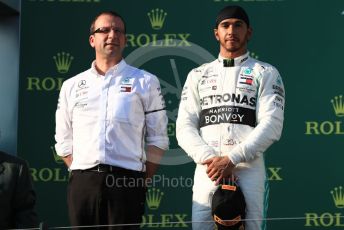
(63, 61)
(153, 198)
(57, 158)
(157, 18)
(338, 196)
(338, 105)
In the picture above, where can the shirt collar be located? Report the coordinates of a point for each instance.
(231, 63)
(114, 69)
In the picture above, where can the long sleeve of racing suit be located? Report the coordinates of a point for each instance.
(187, 128)
(270, 116)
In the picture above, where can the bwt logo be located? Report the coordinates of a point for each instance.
(328, 127)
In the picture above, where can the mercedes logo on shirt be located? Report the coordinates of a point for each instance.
(82, 84)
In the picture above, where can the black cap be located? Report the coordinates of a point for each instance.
(232, 12)
(228, 207)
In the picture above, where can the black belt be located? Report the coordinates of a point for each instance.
(111, 168)
(104, 168)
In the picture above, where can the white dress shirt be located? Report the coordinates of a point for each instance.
(109, 119)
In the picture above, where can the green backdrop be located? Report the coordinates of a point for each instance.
(303, 39)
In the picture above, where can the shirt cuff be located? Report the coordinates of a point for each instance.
(160, 142)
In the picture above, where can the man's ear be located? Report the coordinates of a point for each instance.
(216, 33)
(91, 40)
(249, 33)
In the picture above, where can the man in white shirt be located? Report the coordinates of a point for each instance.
(110, 131)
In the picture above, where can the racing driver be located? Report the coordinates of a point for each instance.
(231, 111)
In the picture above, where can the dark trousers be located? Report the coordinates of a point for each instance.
(106, 198)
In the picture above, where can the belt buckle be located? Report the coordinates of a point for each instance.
(99, 169)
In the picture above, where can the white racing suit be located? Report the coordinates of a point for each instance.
(236, 112)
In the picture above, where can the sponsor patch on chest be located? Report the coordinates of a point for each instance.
(246, 77)
(127, 85)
